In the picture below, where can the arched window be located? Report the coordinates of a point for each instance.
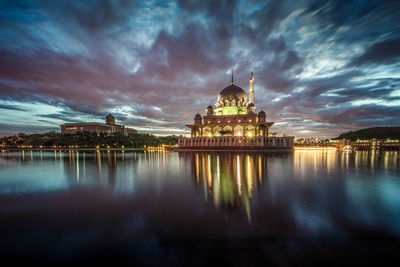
(238, 130)
(228, 131)
(250, 131)
(216, 130)
(207, 131)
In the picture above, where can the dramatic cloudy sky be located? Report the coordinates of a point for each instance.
(321, 67)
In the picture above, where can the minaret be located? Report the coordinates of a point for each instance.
(232, 76)
(251, 90)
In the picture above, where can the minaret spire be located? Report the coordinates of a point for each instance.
(251, 90)
(232, 76)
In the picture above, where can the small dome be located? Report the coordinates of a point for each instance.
(231, 92)
(110, 120)
(209, 110)
(261, 113)
(197, 115)
(251, 105)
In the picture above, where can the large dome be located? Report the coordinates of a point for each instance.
(232, 92)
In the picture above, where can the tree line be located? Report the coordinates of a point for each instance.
(370, 133)
(87, 139)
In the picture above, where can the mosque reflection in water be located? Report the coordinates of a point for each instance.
(229, 180)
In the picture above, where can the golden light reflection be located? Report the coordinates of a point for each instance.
(259, 169)
(217, 185)
(386, 160)
(238, 178)
(318, 161)
(249, 172)
(203, 164)
(98, 155)
(372, 162)
(230, 181)
(331, 162)
(197, 168)
(209, 177)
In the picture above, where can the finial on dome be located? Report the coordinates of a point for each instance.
(232, 76)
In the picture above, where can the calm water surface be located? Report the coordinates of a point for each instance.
(113, 201)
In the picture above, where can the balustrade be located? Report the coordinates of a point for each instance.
(235, 141)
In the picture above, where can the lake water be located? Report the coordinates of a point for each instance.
(199, 208)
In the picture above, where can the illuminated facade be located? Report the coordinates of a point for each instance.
(233, 124)
(110, 127)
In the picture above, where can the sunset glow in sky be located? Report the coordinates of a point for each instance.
(321, 67)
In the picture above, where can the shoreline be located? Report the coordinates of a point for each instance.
(75, 149)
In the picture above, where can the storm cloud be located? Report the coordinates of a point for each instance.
(321, 67)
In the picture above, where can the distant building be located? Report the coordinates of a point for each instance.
(93, 127)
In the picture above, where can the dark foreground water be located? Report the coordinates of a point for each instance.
(158, 208)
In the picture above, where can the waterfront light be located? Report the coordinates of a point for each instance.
(314, 148)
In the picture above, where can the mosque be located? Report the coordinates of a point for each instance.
(233, 124)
